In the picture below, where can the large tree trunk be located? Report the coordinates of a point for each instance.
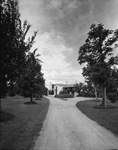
(11, 89)
(95, 88)
(104, 96)
(31, 98)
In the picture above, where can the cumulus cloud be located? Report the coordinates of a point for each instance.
(62, 28)
(69, 19)
(55, 66)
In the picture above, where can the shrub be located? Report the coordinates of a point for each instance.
(86, 95)
(51, 92)
(63, 92)
(112, 96)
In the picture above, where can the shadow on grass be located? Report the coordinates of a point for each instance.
(20, 133)
(105, 107)
(109, 105)
(30, 103)
(4, 116)
(38, 99)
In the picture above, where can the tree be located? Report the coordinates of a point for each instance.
(88, 76)
(84, 89)
(92, 89)
(79, 88)
(32, 81)
(13, 43)
(112, 87)
(97, 53)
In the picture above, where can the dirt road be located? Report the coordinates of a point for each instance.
(66, 128)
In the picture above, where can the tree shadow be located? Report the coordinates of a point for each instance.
(30, 103)
(4, 116)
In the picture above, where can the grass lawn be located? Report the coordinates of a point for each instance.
(20, 132)
(105, 117)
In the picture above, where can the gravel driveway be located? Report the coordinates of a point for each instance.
(67, 128)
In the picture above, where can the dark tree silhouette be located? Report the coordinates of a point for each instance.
(32, 81)
(99, 45)
(13, 44)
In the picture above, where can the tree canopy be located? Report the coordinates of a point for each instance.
(32, 81)
(97, 53)
(15, 55)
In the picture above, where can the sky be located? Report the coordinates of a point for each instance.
(62, 28)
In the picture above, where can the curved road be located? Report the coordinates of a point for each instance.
(67, 128)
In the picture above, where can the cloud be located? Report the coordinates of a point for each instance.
(69, 19)
(62, 28)
(55, 67)
(67, 76)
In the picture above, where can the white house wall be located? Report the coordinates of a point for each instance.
(57, 89)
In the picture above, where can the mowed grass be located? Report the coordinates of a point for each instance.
(20, 132)
(107, 118)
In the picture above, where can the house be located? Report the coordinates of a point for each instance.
(57, 88)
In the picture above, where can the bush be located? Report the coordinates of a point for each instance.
(51, 92)
(86, 95)
(64, 96)
(63, 92)
(112, 96)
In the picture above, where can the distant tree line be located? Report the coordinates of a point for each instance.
(100, 63)
(20, 71)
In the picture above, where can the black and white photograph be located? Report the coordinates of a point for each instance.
(58, 74)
